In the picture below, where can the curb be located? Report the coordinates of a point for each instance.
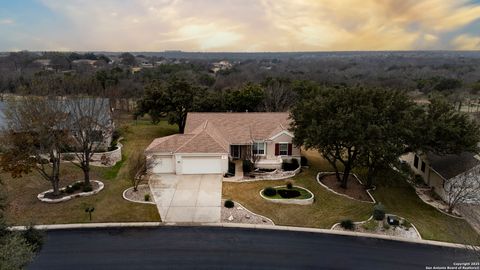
(240, 225)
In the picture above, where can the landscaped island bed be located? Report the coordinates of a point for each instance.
(354, 190)
(283, 192)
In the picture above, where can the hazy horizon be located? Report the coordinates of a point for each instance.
(240, 26)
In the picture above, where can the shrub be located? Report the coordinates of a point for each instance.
(229, 204)
(347, 224)
(290, 165)
(418, 179)
(231, 168)
(289, 193)
(270, 192)
(34, 237)
(69, 190)
(247, 166)
(87, 188)
(386, 226)
(379, 212)
(407, 225)
(289, 185)
(146, 197)
(303, 161)
(77, 185)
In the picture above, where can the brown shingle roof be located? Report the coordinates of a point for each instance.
(241, 128)
(214, 132)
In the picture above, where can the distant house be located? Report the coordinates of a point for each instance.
(105, 118)
(212, 139)
(436, 170)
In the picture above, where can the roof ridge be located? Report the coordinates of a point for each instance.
(187, 141)
(213, 137)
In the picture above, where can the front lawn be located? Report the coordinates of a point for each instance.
(24, 207)
(397, 196)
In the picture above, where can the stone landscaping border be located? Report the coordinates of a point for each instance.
(252, 213)
(267, 178)
(371, 217)
(433, 205)
(291, 201)
(130, 200)
(42, 198)
(344, 195)
(114, 156)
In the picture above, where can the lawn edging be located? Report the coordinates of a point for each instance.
(130, 200)
(371, 217)
(290, 201)
(239, 225)
(42, 198)
(344, 195)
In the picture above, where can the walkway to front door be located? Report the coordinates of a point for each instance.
(187, 198)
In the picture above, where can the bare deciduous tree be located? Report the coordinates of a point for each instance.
(137, 169)
(89, 124)
(34, 136)
(464, 188)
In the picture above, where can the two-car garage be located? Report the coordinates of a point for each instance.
(189, 164)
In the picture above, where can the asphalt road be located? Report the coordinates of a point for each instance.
(231, 248)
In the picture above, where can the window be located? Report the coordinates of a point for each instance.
(283, 149)
(423, 166)
(259, 148)
(415, 161)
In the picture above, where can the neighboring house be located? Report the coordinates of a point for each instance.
(437, 170)
(211, 140)
(104, 117)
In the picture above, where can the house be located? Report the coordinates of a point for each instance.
(211, 140)
(436, 170)
(103, 113)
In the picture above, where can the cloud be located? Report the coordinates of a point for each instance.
(262, 25)
(6, 21)
(466, 42)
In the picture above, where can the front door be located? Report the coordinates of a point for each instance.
(235, 151)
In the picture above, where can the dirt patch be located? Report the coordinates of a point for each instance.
(354, 190)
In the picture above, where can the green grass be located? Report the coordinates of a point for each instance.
(112, 172)
(303, 194)
(24, 207)
(327, 209)
(392, 191)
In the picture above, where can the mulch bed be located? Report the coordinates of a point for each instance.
(354, 188)
(50, 195)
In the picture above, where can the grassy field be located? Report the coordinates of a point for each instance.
(24, 207)
(392, 191)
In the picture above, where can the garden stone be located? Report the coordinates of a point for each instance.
(230, 218)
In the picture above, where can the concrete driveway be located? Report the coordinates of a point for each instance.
(187, 198)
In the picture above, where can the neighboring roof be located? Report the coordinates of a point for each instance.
(214, 132)
(101, 107)
(449, 166)
(241, 128)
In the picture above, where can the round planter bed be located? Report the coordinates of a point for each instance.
(139, 195)
(295, 195)
(47, 197)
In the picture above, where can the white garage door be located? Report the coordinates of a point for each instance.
(201, 165)
(162, 165)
